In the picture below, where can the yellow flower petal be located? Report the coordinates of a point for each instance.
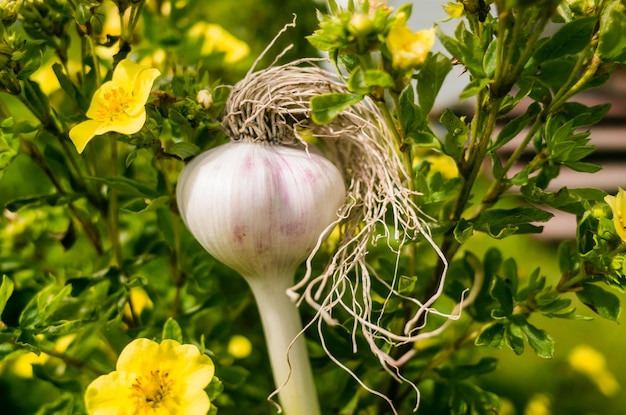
(408, 50)
(142, 86)
(124, 124)
(126, 72)
(82, 133)
(108, 394)
(196, 405)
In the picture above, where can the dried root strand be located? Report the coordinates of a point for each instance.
(273, 106)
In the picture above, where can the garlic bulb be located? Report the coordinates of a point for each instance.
(261, 209)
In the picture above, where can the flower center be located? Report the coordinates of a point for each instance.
(116, 101)
(151, 391)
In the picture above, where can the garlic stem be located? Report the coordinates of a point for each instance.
(281, 325)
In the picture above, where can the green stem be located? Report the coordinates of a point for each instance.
(69, 360)
(178, 276)
(114, 217)
(135, 15)
(29, 148)
(290, 362)
(476, 156)
(569, 89)
(96, 64)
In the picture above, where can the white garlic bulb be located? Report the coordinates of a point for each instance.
(261, 209)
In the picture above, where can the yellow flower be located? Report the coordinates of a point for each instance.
(408, 50)
(590, 362)
(118, 105)
(443, 164)
(217, 39)
(239, 347)
(153, 379)
(454, 10)
(617, 204)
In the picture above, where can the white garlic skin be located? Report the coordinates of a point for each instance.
(259, 208)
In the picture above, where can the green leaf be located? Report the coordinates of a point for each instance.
(414, 121)
(600, 301)
(570, 39)
(215, 388)
(128, 186)
(582, 115)
(183, 150)
(568, 200)
(27, 338)
(491, 335)
(172, 330)
(63, 405)
(466, 48)
(467, 398)
(64, 327)
(514, 338)
(490, 59)
(569, 261)
(70, 87)
(460, 372)
(143, 205)
(43, 305)
(37, 99)
(499, 223)
(463, 230)
(324, 108)
(516, 125)
(39, 201)
(6, 289)
(474, 87)
(233, 375)
(430, 79)
(612, 42)
(502, 293)
(539, 340)
(363, 82)
(456, 136)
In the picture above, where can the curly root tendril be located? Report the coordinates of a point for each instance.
(273, 106)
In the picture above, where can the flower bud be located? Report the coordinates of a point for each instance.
(205, 99)
(360, 25)
(8, 12)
